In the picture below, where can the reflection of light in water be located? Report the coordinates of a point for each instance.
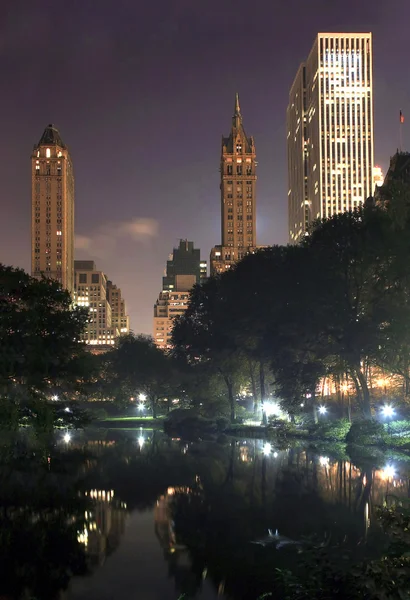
(141, 441)
(267, 449)
(101, 495)
(275, 455)
(388, 472)
(324, 461)
(67, 438)
(82, 537)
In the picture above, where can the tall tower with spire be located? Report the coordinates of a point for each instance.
(52, 210)
(238, 198)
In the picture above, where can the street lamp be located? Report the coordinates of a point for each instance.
(388, 412)
(141, 406)
(142, 397)
(322, 410)
(67, 437)
(267, 449)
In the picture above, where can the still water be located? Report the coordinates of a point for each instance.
(133, 515)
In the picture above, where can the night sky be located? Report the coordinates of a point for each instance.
(142, 93)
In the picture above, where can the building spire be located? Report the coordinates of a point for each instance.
(237, 112)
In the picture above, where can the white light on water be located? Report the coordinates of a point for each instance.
(141, 441)
(67, 437)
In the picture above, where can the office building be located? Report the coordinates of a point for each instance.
(52, 210)
(238, 197)
(91, 292)
(171, 304)
(184, 260)
(184, 269)
(119, 317)
(330, 130)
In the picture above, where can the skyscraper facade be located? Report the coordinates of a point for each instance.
(52, 210)
(184, 260)
(238, 198)
(107, 318)
(184, 269)
(119, 318)
(330, 130)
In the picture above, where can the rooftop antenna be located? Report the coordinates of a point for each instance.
(401, 132)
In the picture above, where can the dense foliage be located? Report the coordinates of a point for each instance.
(334, 305)
(39, 332)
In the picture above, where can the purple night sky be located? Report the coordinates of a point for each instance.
(142, 93)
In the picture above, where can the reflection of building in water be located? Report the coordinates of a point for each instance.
(176, 554)
(105, 524)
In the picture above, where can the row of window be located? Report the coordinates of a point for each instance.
(239, 170)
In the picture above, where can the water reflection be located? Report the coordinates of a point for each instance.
(105, 498)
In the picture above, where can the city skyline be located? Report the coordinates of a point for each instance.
(146, 147)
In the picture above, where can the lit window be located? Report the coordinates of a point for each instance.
(48, 154)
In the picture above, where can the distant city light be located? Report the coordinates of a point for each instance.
(67, 437)
(68, 410)
(55, 397)
(322, 410)
(267, 449)
(388, 410)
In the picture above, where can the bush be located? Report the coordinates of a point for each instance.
(399, 428)
(366, 433)
(336, 431)
(183, 421)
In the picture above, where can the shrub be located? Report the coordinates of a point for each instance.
(335, 431)
(366, 433)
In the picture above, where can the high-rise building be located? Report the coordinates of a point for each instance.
(238, 199)
(91, 292)
(184, 269)
(119, 317)
(330, 130)
(168, 306)
(52, 210)
(184, 260)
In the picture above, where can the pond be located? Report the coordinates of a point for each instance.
(109, 514)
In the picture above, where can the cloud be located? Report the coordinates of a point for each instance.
(104, 240)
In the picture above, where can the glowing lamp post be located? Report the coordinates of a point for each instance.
(322, 410)
(388, 413)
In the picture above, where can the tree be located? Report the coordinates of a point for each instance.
(40, 334)
(203, 335)
(137, 366)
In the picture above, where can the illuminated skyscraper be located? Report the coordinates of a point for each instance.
(52, 210)
(238, 199)
(330, 130)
